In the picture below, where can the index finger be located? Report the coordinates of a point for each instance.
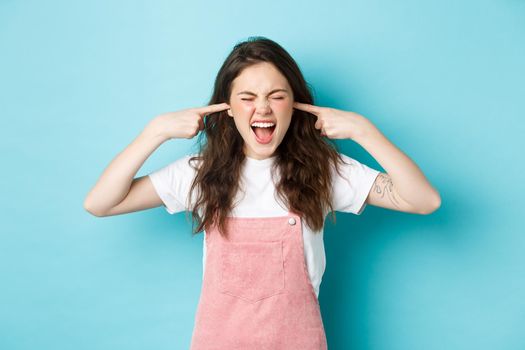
(307, 107)
(213, 108)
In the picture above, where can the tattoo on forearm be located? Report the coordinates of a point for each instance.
(384, 186)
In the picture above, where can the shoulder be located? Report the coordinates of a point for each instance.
(182, 168)
(349, 161)
(351, 169)
(351, 185)
(187, 163)
(347, 165)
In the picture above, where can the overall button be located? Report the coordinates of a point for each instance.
(291, 221)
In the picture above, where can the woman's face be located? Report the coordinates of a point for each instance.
(261, 105)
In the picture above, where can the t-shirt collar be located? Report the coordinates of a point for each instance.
(260, 162)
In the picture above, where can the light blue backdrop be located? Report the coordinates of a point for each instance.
(443, 80)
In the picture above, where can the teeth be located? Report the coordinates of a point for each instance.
(263, 125)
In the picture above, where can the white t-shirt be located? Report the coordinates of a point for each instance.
(257, 198)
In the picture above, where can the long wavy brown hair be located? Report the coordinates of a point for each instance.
(304, 159)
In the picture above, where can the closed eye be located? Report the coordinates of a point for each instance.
(251, 99)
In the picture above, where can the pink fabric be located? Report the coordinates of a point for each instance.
(256, 293)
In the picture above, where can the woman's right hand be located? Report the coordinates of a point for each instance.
(185, 123)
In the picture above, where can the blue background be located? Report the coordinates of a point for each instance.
(443, 80)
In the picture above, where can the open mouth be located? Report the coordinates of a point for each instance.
(263, 131)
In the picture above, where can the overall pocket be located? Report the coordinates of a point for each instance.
(252, 270)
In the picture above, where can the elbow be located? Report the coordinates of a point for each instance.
(92, 210)
(436, 204)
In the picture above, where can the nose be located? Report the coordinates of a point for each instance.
(263, 107)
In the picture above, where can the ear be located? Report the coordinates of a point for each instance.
(229, 110)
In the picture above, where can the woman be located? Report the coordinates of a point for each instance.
(266, 176)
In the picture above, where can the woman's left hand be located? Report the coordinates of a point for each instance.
(335, 123)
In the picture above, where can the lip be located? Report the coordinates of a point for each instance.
(263, 121)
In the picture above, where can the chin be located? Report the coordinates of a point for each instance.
(259, 152)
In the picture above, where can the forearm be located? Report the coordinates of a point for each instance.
(114, 183)
(408, 180)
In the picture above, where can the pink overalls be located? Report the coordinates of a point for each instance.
(256, 293)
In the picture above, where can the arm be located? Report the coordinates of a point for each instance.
(116, 191)
(404, 187)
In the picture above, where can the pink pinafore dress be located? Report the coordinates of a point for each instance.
(256, 293)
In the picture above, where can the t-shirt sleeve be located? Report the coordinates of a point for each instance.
(351, 190)
(172, 183)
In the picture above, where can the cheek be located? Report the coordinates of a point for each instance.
(283, 110)
(244, 108)
(281, 105)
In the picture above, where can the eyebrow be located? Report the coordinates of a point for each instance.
(254, 94)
